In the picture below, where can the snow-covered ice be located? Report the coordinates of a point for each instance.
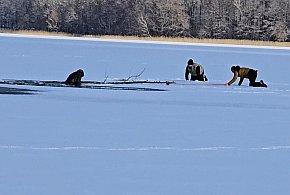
(193, 138)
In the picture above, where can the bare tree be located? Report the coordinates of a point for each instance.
(222, 19)
(162, 18)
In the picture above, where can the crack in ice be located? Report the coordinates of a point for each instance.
(151, 148)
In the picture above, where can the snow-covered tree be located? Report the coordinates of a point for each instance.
(222, 19)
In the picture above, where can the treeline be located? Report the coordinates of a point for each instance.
(267, 20)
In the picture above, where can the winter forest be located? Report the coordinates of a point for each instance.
(267, 20)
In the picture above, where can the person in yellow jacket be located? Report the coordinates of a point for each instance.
(248, 73)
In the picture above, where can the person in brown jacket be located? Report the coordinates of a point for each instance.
(75, 78)
(248, 73)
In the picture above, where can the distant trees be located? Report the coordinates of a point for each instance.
(267, 20)
(162, 18)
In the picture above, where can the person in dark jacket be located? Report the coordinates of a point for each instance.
(195, 70)
(75, 78)
(248, 73)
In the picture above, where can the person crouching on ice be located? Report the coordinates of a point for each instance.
(195, 70)
(75, 78)
(248, 73)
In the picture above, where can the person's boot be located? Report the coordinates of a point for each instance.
(263, 84)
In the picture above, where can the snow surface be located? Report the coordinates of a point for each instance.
(194, 138)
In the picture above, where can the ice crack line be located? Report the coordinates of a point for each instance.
(150, 148)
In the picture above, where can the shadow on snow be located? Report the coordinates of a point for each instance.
(16, 91)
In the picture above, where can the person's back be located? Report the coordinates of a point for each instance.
(238, 72)
(75, 78)
(195, 70)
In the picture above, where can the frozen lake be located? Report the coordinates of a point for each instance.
(192, 138)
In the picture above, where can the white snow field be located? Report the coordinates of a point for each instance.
(192, 139)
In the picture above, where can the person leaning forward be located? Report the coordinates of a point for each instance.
(75, 78)
(195, 70)
(243, 73)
